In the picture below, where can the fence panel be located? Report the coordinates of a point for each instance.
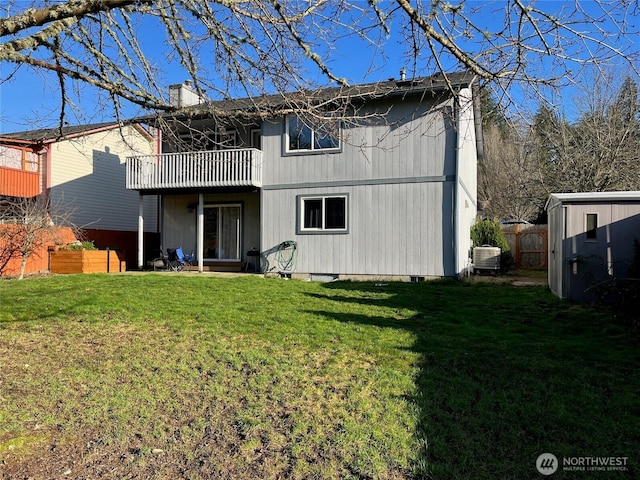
(528, 244)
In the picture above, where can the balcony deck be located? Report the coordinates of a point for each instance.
(19, 183)
(210, 169)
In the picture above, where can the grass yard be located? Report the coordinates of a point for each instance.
(198, 377)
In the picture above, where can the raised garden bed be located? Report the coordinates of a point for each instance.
(86, 261)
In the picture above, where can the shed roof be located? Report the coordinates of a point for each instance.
(556, 199)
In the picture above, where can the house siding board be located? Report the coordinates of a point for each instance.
(412, 242)
(88, 174)
(417, 238)
(383, 150)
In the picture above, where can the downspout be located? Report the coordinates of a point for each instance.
(47, 179)
(140, 231)
(477, 120)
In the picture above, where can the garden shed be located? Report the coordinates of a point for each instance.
(591, 240)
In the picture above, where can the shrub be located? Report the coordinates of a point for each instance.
(623, 294)
(80, 246)
(634, 268)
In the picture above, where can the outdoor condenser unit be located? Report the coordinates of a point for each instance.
(486, 258)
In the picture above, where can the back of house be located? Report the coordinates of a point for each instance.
(382, 183)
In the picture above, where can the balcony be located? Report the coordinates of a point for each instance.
(220, 168)
(19, 183)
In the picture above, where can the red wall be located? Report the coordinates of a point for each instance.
(127, 242)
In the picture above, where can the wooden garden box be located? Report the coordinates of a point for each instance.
(86, 261)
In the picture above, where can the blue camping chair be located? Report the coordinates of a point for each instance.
(177, 260)
(187, 260)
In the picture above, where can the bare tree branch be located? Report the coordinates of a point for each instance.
(233, 48)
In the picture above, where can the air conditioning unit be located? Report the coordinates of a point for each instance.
(486, 258)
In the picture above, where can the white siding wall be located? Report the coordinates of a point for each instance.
(88, 175)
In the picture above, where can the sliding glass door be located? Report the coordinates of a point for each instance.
(222, 232)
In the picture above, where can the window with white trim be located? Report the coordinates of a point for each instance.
(302, 135)
(322, 213)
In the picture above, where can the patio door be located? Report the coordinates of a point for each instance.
(222, 232)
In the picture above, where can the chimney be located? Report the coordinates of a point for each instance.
(403, 74)
(183, 95)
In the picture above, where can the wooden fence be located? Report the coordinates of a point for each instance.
(529, 245)
(39, 258)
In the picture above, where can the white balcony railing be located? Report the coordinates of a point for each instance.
(220, 168)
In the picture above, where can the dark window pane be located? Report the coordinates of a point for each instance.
(335, 217)
(313, 213)
(325, 137)
(592, 225)
(299, 135)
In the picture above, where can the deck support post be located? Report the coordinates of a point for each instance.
(200, 232)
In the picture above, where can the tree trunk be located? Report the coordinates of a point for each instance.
(23, 266)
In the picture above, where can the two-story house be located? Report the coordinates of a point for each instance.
(82, 169)
(377, 180)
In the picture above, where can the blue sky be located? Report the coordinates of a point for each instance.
(30, 99)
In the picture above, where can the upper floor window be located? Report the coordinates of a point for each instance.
(303, 135)
(19, 158)
(204, 140)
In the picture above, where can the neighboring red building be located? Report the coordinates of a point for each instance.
(20, 170)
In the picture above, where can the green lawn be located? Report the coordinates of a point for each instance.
(161, 376)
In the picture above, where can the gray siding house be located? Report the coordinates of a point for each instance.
(591, 237)
(382, 184)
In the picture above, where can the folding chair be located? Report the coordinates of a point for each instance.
(188, 260)
(174, 259)
(160, 262)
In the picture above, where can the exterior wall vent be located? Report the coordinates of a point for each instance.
(324, 277)
(486, 258)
